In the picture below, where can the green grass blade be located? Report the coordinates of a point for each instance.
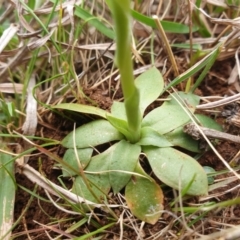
(7, 195)
(195, 46)
(34, 16)
(194, 69)
(211, 61)
(94, 21)
(199, 20)
(171, 27)
(98, 231)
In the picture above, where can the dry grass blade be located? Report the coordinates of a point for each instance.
(37, 43)
(30, 125)
(99, 46)
(217, 3)
(218, 103)
(9, 10)
(8, 34)
(231, 22)
(233, 233)
(234, 75)
(14, 61)
(11, 88)
(167, 45)
(228, 37)
(48, 9)
(54, 189)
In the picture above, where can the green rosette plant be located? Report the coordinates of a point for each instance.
(134, 136)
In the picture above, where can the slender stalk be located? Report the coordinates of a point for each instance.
(121, 15)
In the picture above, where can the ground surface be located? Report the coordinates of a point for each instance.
(35, 215)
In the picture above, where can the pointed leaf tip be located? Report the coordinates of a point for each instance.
(150, 84)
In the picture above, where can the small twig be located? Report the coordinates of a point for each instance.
(193, 131)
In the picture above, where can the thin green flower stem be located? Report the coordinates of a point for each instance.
(121, 15)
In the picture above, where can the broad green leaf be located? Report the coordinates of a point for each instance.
(177, 170)
(179, 138)
(150, 85)
(84, 155)
(118, 110)
(149, 137)
(208, 122)
(98, 179)
(123, 157)
(119, 124)
(82, 109)
(170, 115)
(172, 27)
(94, 21)
(144, 198)
(92, 134)
(189, 99)
(7, 194)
